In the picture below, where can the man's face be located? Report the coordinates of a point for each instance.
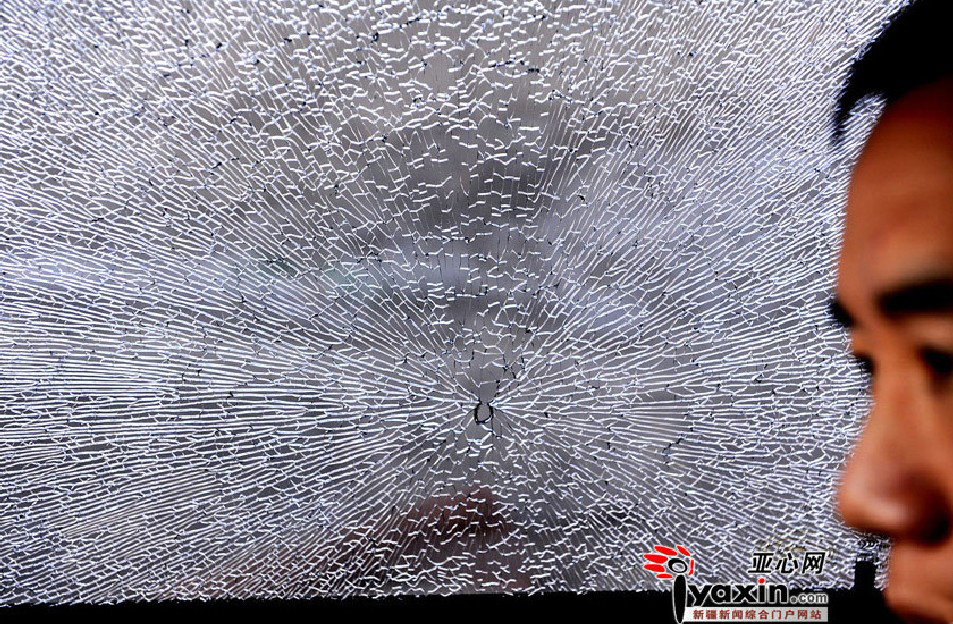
(895, 293)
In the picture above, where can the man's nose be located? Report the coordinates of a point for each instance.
(888, 486)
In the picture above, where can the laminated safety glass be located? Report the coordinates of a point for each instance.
(373, 298)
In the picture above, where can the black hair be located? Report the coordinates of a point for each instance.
(913, 50)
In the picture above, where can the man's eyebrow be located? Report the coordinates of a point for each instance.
(840, 314)
(929, 296)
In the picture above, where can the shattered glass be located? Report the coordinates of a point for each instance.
(377, 298)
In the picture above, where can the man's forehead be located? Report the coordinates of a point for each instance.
(911, 144)
(908, 157)
(907, 251)
(900, 208)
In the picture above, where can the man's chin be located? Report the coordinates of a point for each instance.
(913, 615)
(916, 595)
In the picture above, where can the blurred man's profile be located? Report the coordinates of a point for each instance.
(895, 295)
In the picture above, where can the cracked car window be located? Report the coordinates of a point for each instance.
(408, 297)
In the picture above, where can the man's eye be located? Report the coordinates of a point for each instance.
(940, 363)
